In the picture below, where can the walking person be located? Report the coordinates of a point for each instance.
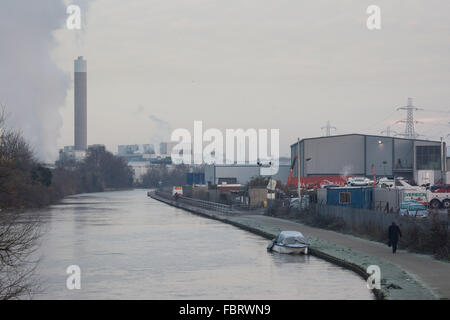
(394, 235)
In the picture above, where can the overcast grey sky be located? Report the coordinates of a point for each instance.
(283, 64)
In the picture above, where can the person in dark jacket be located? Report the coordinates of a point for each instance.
(394, 235)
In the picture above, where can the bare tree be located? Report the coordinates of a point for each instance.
(18, 234)
(18, 241)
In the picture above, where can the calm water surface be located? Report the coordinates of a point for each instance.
(129, 246)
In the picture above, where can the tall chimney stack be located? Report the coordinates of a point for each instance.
(80, 104)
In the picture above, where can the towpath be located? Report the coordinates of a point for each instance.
(433, 273)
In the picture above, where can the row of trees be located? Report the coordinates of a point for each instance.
(161, 176)
(99, 171)
(21, 176)
(24, 182)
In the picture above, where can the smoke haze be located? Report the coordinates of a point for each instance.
(32, 87)
(162, 131)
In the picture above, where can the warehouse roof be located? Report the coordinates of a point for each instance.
(364, 135)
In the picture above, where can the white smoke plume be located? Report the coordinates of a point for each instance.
(32, 86)
(162, 132)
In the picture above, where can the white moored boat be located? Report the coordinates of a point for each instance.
(290, 242)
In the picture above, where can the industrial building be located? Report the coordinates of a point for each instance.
(355, 154)
(68, 153)
(142, 153)
(80, 97)
(165, 148)
(240, 173)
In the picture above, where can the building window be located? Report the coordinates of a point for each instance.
(227, 181)
(428, 157)
(344, 197)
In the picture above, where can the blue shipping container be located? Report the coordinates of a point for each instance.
(195, 178)
(354, 197)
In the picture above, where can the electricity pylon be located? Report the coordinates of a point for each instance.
(410, 132)
(328, 128)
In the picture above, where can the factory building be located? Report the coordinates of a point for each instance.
(165, 148)
(80, 96)
(68, 153)
(240, 173)
(355, 154)
(135, 149)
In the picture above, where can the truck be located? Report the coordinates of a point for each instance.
(177, 191)
(435, 196)
(439, 196)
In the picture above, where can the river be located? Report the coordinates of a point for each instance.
(129, 246)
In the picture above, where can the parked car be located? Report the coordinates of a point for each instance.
(386, 183)
(413, 208)
(359, 182)
(304, 204)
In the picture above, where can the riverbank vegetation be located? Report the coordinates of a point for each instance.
(160, 176)
(428, 237)
(99, 171)
(18, 239)
(26, 183)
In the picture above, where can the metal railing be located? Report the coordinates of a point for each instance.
(215, 206)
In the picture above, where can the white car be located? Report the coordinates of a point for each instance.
(386, 183)
(359, 182)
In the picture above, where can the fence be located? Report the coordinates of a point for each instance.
(355, 218)
(215, 206)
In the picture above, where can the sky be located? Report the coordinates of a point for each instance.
(155, 66)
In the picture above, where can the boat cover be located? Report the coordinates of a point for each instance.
(291, 237)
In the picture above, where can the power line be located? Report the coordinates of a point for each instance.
(437, 111)
(378, 122)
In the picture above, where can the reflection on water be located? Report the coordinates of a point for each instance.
(129, 246)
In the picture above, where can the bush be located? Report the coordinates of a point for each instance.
(430, 237)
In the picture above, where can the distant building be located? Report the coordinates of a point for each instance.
(165, 148)
(141, 152)
(97, 146)
(140, 168)
(140, 157)
(148, 148)
(127, 149)
(448, 167)
(68, 153)
(240, 173)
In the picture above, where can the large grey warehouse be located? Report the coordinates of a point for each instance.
(354, 155)
(240, 173)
